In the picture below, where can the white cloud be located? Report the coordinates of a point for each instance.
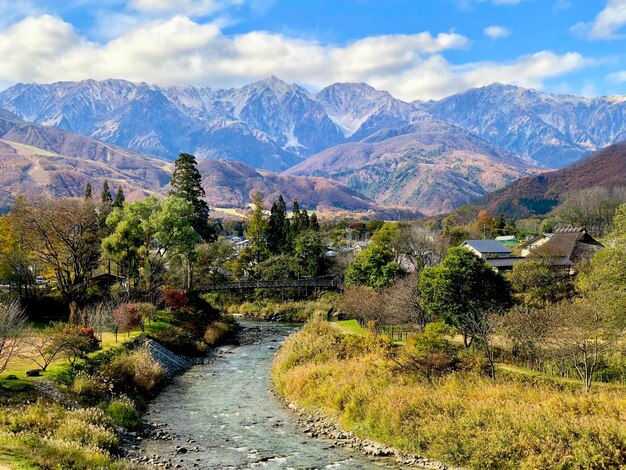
(497, 32)
(606, 25)
(180, 7)
(617, 77)
(180, 51)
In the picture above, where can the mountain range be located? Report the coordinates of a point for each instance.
(38, 160)
(429, 156)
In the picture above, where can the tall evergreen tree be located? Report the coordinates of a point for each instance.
(304, 221)
(278, 227)
(119, 198)
(88, 190)
(296, 223)
(314, 223)
(105, 196)
(187, 184)
(256, 234)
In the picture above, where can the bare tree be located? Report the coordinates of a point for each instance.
(403, 304)
(364, 304)
(483, 329)
(41, 347)
(419, 247)
(583, 337)
(13, 324)
(593, 208)
(527, 329)
(98, 317)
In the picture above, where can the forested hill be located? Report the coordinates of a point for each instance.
(537, 195)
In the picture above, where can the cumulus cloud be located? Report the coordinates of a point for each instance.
(497, 32)
(606, 25)
(181, 51)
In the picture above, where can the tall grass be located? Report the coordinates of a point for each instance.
(49, 436)
(290, 311)
(462, 418)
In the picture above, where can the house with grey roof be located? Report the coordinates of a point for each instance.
(498, 256)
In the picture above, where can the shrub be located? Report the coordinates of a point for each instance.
(122, 412)
(87, 434)
(134, 370)
(88, 388)
(179, 340)
(174, 299)
(215, 333)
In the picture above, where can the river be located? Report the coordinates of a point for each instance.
(225, 417)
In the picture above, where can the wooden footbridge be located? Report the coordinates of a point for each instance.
(276, 284)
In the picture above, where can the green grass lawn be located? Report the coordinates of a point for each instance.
(513, 371)
(349, 327)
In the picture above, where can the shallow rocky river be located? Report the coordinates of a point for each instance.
(222, 415)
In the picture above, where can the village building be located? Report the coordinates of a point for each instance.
(498, 256)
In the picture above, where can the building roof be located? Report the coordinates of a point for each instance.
(503, 262)
(575, 246)
(487, 246)
(506, 237)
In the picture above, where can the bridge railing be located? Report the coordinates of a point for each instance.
(326, 284)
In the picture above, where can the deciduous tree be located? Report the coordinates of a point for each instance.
(462, 289)
(13, 323)
(65, 235)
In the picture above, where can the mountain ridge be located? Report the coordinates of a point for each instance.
(40, 160)
(537, 195)
(274, 125)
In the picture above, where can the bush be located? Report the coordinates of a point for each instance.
(174, 299)
(215, 333)
(134, 370)
(88, 388)
(179, 340)
(122, 412)
(81, 430)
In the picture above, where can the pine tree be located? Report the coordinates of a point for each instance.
(256, 233)
(119, 198)
(105, 196)
(278, 227)
(187, 183)
(88, 190)
(314, 223)
(304, 221)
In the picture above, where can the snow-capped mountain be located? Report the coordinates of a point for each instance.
(555, 130)
(275, 125)
(360, 110)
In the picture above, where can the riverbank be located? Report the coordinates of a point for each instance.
(227, 417)
(294, 311)
(365, 386)
(97, 404)
(317, 425)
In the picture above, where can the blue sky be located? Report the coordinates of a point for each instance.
(414, 49)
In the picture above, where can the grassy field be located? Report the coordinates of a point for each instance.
(18, 365)
(461, 418)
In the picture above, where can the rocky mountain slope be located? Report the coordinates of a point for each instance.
(555, 130)
(431, 166)
(43, 160)
(274, 125)
(537, 195)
